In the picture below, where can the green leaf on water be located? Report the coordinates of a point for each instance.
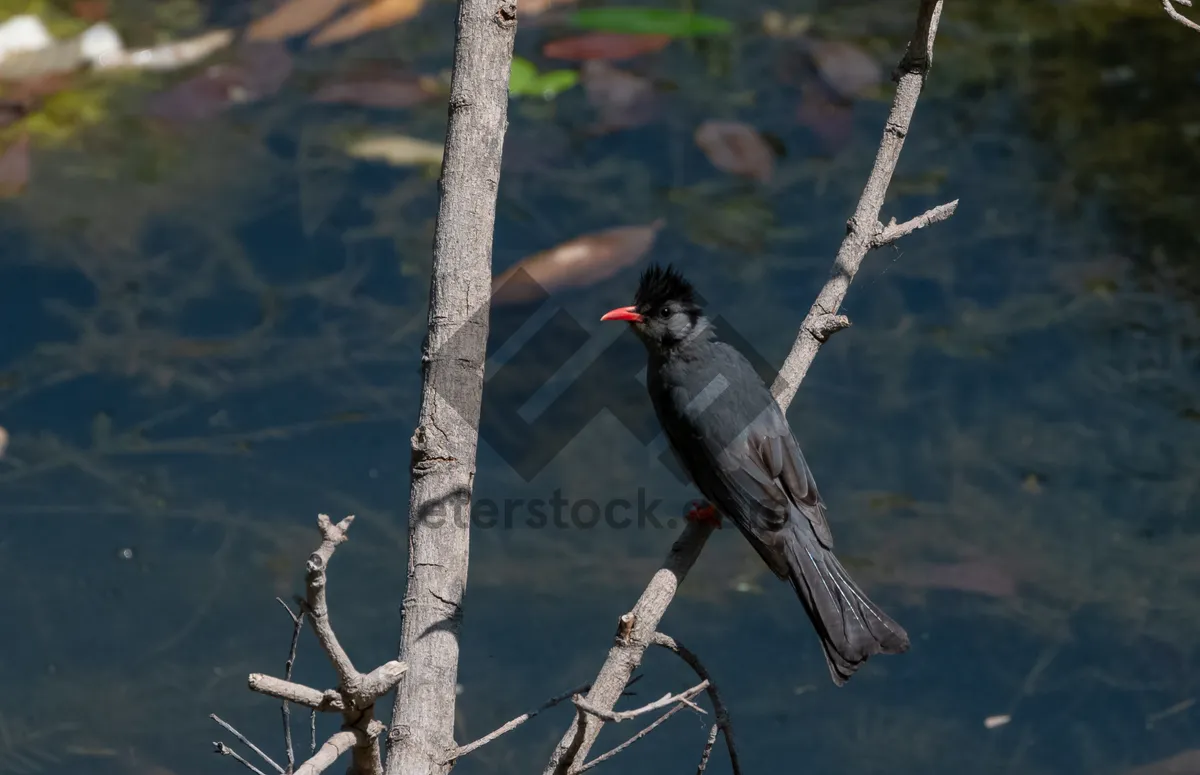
(523, 75)
(526, 81)
(651, 21)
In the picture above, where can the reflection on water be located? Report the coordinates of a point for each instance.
(211, 334)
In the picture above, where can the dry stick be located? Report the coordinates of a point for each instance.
(445, 441)
(719, 708)
(229, 728)
(356, 693)
(1177, 16)
(624, 715)
(225, 750)
(463, 750)
(683, 703)
(297, 625)
(348, 739)
(864, 232)
(708, 746)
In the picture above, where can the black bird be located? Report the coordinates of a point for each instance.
(735, 443)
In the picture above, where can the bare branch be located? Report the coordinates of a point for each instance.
(894, 231)
(463, 750)
(356, 693)
(1177, 16)
(609, 754)
(297, 625)
(318, 608)
(708, 746)
(338, 744)
(329, 700)
(720, 710)
(225, 750)
(626, 653)
(659, 704)
(242, 738)
(863, 226)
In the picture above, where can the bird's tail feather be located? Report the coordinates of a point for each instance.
(851, 627)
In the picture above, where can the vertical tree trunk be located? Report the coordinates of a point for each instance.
(446, 437)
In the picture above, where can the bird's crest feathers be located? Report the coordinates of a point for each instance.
(660, 285)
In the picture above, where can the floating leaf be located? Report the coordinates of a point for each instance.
(978, 576)
(831, 120)
(90, 10)
(15, 167)
(845, 68)
(525, 81)
(293, 18)
(652, 21)
(537, 7)
(623, 100)
(378, 15)
(736, 148)
(397, 150)
(393, 91)
(521, 75)
(3, 441)
(1183, 763)
(168, 56)
(612, 46)
(582, 261)
(260, 71)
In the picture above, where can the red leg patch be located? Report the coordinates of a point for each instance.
(703, 512)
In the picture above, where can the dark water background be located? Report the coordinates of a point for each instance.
(209, 336)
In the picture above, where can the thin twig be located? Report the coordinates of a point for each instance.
(225, 750)
(1177, 16)
(720, 710)
(242, 738)
(463, 750)
(894, 231)
(659, 704)
(297, 625)
(610, 754)
(708, 746)
(312, 732)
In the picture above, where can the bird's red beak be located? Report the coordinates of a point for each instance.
(623, 313)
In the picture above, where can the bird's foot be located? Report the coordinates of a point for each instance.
(704, 513)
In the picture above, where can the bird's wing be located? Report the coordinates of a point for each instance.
(766, 475)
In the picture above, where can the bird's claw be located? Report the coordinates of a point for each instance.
(704, 513)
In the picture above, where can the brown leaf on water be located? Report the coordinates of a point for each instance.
(90, 10)
(20, 98)
(294, 17)
(378, 15)
(578, 262)
(1183, 763)
(3, 441)
(537, 7)
(259, 71)
(832, 121)
(382, 91)
(15, 168)
(622, 100)
(977, 575)
(845, 68)
(611, 46)
(736, 148)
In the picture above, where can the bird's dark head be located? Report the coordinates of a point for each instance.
(665, 311)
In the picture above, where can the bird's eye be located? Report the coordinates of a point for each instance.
(664, 313)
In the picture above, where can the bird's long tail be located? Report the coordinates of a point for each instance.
(851, 627)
